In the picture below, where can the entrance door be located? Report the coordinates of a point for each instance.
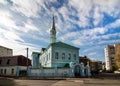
(77, 71)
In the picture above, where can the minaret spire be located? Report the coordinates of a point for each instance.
(53, 32)
(53, 23)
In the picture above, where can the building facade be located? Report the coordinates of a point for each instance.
(35, 60)
(59, 54)
(96, 66)
(4, 51)
(14, 65)
(109, 56)
(58, 59)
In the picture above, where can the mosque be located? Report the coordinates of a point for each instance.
(57, 54)
(57, 59)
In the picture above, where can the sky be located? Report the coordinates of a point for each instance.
(87, 24)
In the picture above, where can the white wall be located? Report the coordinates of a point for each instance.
(45, 58)
(9, 70)
(50, 72)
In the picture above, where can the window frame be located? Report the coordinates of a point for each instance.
(63, 55)
(0, 61)
(12, 71)
(69, 56)
(74, 55)
(8, 61)
(5, 71)
(56, 55)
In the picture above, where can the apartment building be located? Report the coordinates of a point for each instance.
(109, 56)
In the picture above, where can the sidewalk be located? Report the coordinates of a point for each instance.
(88, 82)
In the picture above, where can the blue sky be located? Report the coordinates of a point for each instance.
(87, 24)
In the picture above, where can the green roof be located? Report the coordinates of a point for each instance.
(36, 53)
(61, 44)
(43, 49)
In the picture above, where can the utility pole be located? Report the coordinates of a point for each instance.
(27, 60)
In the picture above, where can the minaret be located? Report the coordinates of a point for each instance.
(53, 32)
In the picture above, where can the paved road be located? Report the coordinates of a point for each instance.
(68, 82)
(35, 82)
(47, 83)
(101, 82)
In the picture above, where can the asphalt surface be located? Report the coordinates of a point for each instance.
(67, 82)
(97, 80)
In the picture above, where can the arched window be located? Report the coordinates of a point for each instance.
(63, 55)
(74, 56)
(56, 55)
(69, 56)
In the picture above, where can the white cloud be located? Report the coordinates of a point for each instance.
(29, 26)
(92, 53)
(83, 37)
(110, 7)
(8, 23)
(29, 8)
(107, 36)
(94, 31)
(69, 35)
(107, 42)
(87, 9)
(13, 41)
(64, 11)
(77, 42)
(6, 19)
(97, 16)
(9, 35)
(4, 2)
(12, 36)
(114, 24)
(83, 8)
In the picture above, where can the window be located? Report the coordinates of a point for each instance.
(5, 71)
(74, 56)
(69, 56)
(8, 61)
(56, 55)
(63, 55)
(12, 71)
(0, 61)
(47, 57)
(1, 71)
